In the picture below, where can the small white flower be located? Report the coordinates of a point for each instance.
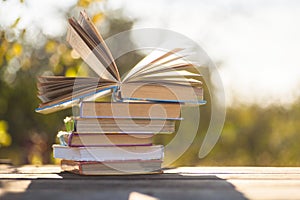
(68, 119)
(62, 133)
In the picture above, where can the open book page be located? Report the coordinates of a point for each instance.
(178, 80)
(90, 28)
(57, 89)
(170, 63)
(161, 64)
(169, 80)
(163, 60)
(98, 45)
(167, 68)
(70, 99)
(71, 90)
(85, 32)
(69, 102)
(78, 44)
(144, 62)
(179, 74)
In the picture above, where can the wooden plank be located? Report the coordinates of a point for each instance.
(268, 189)
(235, 170)
(47, 182)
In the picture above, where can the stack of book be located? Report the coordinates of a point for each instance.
(115, 137)
(106, 139)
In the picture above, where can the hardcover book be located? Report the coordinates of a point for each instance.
(112, 167)
(164, 76)
(132, 110)
(97, 140)
(113, 153)
(123, 125)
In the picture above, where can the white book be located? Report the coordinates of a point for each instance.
(114, 153)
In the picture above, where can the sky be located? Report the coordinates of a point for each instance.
(255, 44)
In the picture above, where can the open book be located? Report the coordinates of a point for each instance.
(161, 76)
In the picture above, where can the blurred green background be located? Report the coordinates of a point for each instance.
(252, 134)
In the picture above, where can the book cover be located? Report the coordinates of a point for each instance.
(102, 154)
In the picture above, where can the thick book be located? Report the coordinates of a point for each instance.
(101, 154)
(122, 125)
(160, 76)
(112, 167)
(98, 140)
(130, 110)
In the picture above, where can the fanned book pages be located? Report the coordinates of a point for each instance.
(160, 76)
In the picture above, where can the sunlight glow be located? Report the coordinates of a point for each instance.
(256, 43)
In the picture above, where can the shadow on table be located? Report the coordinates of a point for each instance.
(161, 186)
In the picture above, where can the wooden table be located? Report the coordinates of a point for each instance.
(48, 182)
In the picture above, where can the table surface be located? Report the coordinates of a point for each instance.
(48, 182)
